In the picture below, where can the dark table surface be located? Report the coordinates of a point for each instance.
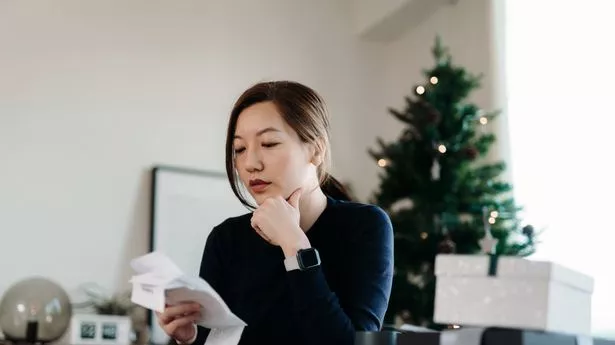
(476, 336)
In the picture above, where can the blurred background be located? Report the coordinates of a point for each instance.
(94, 93)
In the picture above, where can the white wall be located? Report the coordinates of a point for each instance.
(560, 124)
(93, 93)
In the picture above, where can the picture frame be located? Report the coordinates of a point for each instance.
(186, 204)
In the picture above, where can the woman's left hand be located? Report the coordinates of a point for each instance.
(277, 221)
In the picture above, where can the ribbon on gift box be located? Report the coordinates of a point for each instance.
(493, 265)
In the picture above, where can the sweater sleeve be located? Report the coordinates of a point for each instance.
(333, 318)
(211, 271)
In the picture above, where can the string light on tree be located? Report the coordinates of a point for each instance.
(442, 148)
(492, 216)
(483, 120)
(382, 162)
(420, 90)
(433, 80)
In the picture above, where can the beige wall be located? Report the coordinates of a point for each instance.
(92, 93)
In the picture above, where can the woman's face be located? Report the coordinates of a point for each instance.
(269, 156)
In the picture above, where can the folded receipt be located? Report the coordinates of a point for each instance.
(159, 282)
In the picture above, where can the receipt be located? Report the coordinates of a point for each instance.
(224, 336)
(160, 282)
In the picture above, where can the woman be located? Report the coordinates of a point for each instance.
(307, 266)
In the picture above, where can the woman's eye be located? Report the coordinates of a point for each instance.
(239, 150)
(270, 144)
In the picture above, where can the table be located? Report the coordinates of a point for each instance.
(476, 336)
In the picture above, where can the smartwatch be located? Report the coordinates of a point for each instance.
(305, 259)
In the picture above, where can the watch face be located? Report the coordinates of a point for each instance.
(308, 258)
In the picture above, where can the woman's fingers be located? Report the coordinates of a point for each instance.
(172, 326)
(182, 308)
(177, 311)
(261, 233)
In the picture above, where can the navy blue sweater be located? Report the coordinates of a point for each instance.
(349, 291)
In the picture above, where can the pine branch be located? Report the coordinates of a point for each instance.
(403, 117)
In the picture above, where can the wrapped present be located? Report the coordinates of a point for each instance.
(511, 292)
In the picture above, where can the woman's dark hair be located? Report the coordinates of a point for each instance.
(304, 111)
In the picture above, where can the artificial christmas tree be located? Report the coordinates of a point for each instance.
(437, 191)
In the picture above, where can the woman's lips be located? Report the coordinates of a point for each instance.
(259, 186)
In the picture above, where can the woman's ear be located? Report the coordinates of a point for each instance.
(317, 154)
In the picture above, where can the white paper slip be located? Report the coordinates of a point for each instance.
(159, 282)
(224, 336)
(148, 296)
(156, 262)
(214, 312)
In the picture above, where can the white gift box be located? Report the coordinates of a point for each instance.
(521, 293)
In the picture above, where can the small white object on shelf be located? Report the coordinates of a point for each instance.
(96, 329)
(522, 293)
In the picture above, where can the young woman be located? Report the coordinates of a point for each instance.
(307, 266)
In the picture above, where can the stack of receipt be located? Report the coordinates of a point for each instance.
(159, 282)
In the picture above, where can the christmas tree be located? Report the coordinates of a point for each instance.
(438, 193)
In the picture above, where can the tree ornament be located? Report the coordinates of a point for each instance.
(417, 280)
(470, 152)
(528, 231)
(402, 204)
(447, 245)
(435, 170)
(465, 217)
(406, 317)
(433, 117)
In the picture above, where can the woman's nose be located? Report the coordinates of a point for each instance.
(253, 160)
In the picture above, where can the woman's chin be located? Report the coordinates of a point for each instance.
(260, 198)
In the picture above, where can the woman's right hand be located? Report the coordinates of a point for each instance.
(178, 321)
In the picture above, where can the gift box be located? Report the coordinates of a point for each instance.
(511, 292)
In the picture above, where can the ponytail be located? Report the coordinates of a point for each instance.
(334, 188)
